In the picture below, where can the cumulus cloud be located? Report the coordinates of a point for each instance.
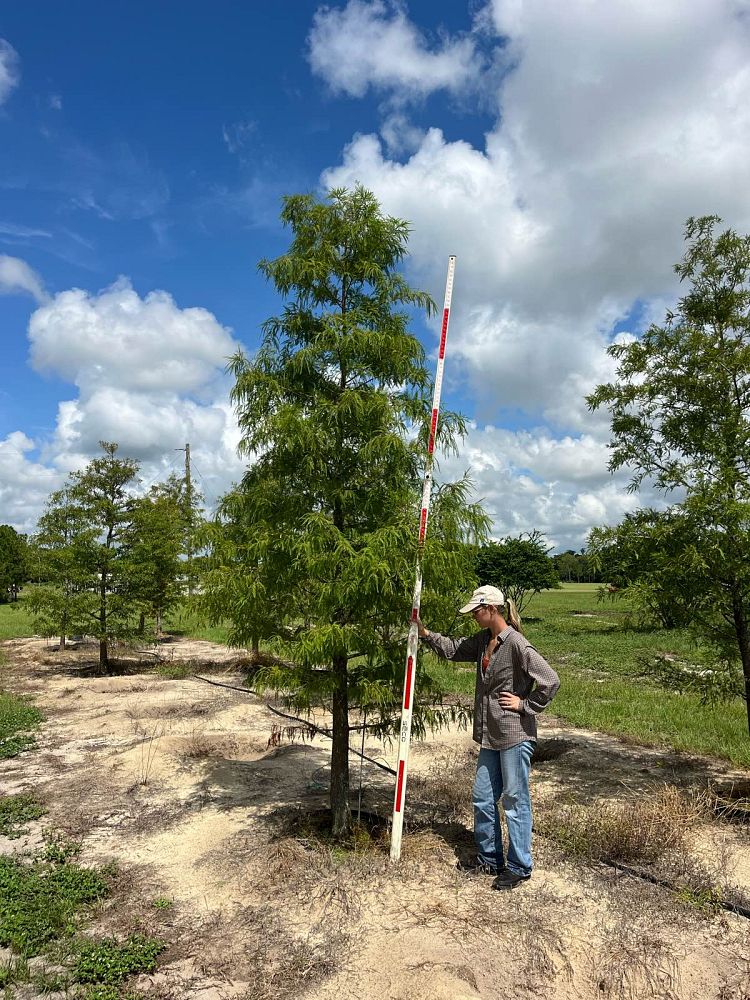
(149, 375)
(373, 44)
(118, 338)
(16, 277)
(616, 122)
(10, 69)
(24, 483)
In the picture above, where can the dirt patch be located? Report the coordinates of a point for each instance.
(176, 781)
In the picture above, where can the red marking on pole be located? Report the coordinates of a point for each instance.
(433, 429)
(422, 525)
(444, 333)
(400, 786)
(409, 674)
(414, 614)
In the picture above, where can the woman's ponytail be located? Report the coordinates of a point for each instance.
(512, 617)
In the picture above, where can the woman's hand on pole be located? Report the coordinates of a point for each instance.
(422, 631)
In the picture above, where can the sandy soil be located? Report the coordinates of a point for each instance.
(182, 784)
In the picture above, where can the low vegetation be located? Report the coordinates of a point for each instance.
(18, 719)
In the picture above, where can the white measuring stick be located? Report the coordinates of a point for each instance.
(413, 641)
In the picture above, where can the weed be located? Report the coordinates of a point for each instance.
(175, 670)
(17, 717)
(59, 851)
(15, 811)
(149, 746)
(162, 903)
(200, 744)
(38, 901)
(637, 830)
(109, 961)
(14, 970)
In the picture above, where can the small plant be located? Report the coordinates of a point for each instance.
(148, 754)
(38, 901)
(17, 717)
(624, 831)
(60, 851)
(162, 903)
(109, 961)
(14, 970)
(15, 811)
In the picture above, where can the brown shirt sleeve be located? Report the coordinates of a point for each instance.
(546, 681)
(464, 649)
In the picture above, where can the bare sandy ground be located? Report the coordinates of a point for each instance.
(181, 783)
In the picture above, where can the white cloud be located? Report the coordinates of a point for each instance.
(149, 375)
(16, 277)
(118, 338)
(616, 122)
(373, 44)
(10, 72)
(24, 483)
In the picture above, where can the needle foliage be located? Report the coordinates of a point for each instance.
(317, 545)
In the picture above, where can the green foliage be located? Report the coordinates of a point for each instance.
(16, 621)
(680, 410)
(15, 811)
(109, 961)
(14, 566)
(317, 546)
(643, 556)
(17, 717)
(38, 901)
(520, 567)
(152, 547)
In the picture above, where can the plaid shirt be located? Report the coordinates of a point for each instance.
(514, 666)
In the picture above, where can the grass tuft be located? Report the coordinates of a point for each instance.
(640, 830)
(109, 961)
(15, 812)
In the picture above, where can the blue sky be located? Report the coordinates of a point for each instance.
(557, 149)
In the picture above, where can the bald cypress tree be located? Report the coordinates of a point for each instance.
(334, 411)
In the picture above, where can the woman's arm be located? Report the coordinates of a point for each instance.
(464, 649)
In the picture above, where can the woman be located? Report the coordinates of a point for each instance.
(514, 684)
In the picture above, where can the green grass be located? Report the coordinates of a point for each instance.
(15, 621)
(17, 719)
(600, 654)
(183, 621)
(39, 901)
(15, 812)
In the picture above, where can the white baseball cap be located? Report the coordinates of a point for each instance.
(481, 596)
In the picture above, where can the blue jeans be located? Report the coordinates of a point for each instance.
(504, 775)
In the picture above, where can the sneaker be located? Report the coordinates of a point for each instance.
(509, 880)
(477, 867)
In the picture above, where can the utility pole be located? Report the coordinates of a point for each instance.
(189, 509)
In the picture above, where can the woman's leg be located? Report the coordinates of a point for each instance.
(516, 800)
(488, 787)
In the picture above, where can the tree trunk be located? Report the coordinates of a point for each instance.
(340, 752)
(103, 649)
(142, 623)
(61, 644)
(742, 631)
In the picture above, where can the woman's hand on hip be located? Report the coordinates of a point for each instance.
(510, 702)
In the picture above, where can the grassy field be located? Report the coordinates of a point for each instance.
(15, 620)
(601, 655)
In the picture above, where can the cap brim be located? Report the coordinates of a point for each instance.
(469, 607)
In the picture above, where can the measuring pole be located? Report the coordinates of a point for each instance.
(413, 641)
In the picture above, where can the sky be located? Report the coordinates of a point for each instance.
(555, 148)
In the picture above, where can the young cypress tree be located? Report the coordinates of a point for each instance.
(334, 409)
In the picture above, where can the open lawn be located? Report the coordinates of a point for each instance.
(601, 653)
(15, 620)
